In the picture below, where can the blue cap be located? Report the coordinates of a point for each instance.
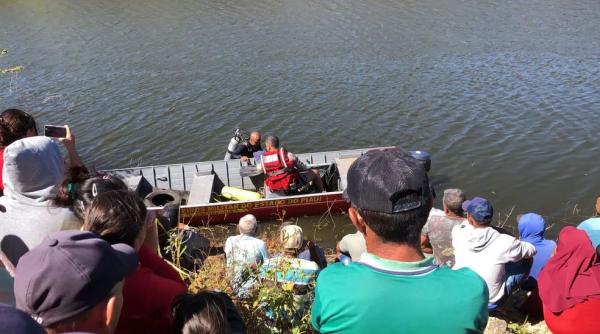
(592, 228)
(480, 209)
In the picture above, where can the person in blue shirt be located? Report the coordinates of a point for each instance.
(591, 226)
(531, 229)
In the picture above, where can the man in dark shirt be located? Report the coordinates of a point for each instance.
(246, 149)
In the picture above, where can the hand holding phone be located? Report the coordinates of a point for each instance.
(66, 137)
(55, 131)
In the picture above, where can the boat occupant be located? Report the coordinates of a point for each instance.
(284, 173)
(245, 150)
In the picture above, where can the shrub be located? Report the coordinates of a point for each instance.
(268, 305)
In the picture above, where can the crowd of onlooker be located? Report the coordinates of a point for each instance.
(85, 256)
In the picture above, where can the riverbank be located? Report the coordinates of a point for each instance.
(214, 276)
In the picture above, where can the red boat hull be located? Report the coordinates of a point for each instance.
(264, 209)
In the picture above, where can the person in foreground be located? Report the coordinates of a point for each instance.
(500, 259)
(569, 285)
(33, 167)
(399, 290)
(73, 281)
(206, 312)
(121, 217)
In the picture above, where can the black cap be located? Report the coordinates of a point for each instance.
(387, 180)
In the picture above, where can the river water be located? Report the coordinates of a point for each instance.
(505, 95)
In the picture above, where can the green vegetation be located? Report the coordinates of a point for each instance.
(289, 313)
(528, 328)
(268, 294)
(10, 69)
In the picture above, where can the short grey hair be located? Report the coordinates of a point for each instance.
(272, 141)
(248, 224)
(453, 199)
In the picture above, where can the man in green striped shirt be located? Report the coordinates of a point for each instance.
(393, 288)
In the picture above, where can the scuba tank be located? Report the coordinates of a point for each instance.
(239, 136)
(238, 194)
(423, 157)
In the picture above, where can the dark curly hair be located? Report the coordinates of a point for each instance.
(14, 125)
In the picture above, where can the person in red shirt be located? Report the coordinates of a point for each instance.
(284, 173)
(121, 217)
(569, 285)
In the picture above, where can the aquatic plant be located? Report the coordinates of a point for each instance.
(10, 69)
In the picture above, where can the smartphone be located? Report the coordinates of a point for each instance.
(55, 131)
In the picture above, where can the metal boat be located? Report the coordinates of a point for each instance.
(197, 188)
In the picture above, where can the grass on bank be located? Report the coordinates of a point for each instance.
(213, 275)
(266, 295)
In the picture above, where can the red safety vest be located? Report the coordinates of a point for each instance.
(279, 170)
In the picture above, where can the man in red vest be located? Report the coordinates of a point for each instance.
(283, 172)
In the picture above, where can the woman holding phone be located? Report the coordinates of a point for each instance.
(33, 166)
(16, 124)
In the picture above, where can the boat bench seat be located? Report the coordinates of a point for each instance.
(202, 188)
(138, 184)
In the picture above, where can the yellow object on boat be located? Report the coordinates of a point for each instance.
(238, 194)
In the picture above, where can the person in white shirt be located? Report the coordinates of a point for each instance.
(245, 249)
(244, 252)
(496, 257)
(352, 245)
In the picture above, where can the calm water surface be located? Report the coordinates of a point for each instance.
(504, 94)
